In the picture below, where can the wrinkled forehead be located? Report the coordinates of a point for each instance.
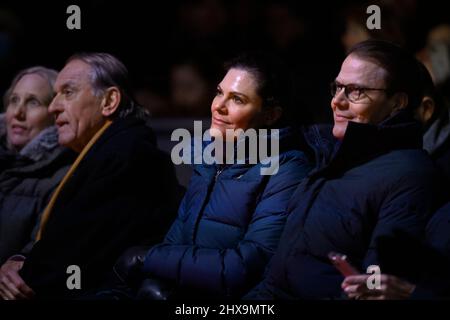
(361, 71)
(76, 72)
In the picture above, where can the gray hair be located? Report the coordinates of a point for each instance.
(107, 71)
(46, 73)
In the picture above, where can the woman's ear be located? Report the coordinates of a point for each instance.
(272, 115)
(111, 101)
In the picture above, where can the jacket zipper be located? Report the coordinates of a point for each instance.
(194, 234)
(218, 173)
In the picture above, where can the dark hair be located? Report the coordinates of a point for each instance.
(274, 81)
(108, 71)
(402, 68)
(430, 90)
(428, 86)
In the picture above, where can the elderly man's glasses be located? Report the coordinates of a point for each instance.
(352, 92)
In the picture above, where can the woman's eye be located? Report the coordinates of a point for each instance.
(34, 102)
(14, 100)
(238, 100)
(218, 92)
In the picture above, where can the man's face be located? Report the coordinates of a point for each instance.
(76, 109)
(373, 106)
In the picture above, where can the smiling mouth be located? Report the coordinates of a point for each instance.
(218, 121)
(339, 117)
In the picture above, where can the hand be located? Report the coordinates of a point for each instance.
(128, 266)
(154, 289)
(391, 288)
(12, 286)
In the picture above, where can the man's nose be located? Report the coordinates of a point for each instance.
(339, 100)
(55, 106)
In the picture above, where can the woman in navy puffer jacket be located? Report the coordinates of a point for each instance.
(231, 218)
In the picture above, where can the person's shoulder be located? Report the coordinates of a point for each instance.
(293, 165)
(128, 146)
(294, 155)
(408, 168)
(126, 137)
(406, 160)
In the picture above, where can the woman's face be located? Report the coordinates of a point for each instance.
(237, 104)
(27, 113)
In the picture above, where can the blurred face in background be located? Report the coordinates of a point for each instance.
(354, 33)
(190, 90)
(237, 104)
(27, 110)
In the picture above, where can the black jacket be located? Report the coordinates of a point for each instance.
(27, 180)
(436, 140)
(122, 194)
(378, 180)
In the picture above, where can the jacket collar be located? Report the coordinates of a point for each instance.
(438, 133)
(289, 138)
(120, 124)
(40, 152)
(363, 142)
(42, 145)
(318, 143)
(39, 148)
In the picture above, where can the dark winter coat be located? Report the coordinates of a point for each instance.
(377, 181)
(228, 225)
(27, 180)
(121, 195)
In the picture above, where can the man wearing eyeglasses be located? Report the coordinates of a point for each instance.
(360, 94)
(377, 182)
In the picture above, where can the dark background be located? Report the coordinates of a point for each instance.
(151, 37)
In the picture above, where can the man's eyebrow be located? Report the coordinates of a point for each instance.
(67, 84)
(358, 85)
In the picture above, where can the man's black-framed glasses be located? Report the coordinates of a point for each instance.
(352, 92)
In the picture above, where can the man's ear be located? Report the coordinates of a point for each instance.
(272, 115)
(400, 102)
(110, 101)
(426, 109)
